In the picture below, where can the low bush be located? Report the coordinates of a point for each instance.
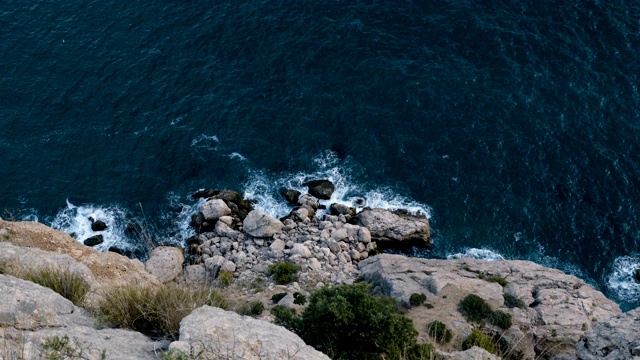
(63, 281)
(225, 278)
(475, 308)
(61, 348)
(511, 301)
(417, 299)
(286, 317)
(155, 312)
(299, 298)
(501, 319)
(284, 272)
(477, 338)
(348, 322)
(422, 352)
(277, 297)
(439, 332)
(497, 279)
(253, 308)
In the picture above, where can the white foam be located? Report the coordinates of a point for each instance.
(622, 281)
(207, 142)
(263, 188)
(474, 253)
(235, 155)
(180, 221)
(75, 220)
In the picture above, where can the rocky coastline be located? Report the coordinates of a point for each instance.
(552, 315)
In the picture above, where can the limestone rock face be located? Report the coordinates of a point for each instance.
(475, 353)
(31, 314)
(216, 332)
(556, 308)
(395, 230)
(165, 263)
(614, 338)
(214, 209)
(260, 224)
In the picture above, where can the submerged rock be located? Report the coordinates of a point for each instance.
(322, 189)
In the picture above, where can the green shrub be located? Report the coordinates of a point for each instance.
(501, 319)
(253, 308)
(439, 331)
(422, 352)
(284, 272)
(225, 278)
(66, 283)
(511, 301)
(61, 348)
(299, 298)
(428, 305)
(496, 279)
(175, 355)
(475, 308)
(286, 317)
(155, 312)
(479, 339)
(277, 297)
(417, 299)
(348, 322)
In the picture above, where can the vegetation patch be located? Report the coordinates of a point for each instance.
(348, 322)
(252, 308)
(63, 281)
(501, 319)
(277, 297)
(439, 332)
(225, 278)
(284, 272)
(155, 311)
(495, 279)
(475, 308)
(477, 338)
(299, 298)
(286, 317)
(511, 301)
(417, 299)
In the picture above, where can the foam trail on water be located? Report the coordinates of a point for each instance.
(263, 188)
(180, 219)
(622, 281)
(207, 142)
(474, 253)
(75, 220)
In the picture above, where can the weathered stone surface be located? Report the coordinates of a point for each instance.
(260, 224)
(322, 189)
(475, 353)
(214, 209)
(554, 302)
(165, 263)
(214, 331)
(299, 249)
(614, 338)
(195, 274)
(395, 230)
(308, 200)
(30, 314)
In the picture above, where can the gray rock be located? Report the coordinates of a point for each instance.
(226, 220)
(214, 209)
(213, 265)
(341, 209)
(277, 245)
(228, 266)
(299, 249)
(165, 263)
(364, 235)
(308, 200)
(339, 234)
(614, 338)
(182, 347)
(322, 189)
(314, 264)
(475, 353)
(395, 230)
(287, 301)
(195, 274)
(260, 224)
(215, 332)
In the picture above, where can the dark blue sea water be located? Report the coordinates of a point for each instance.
(514, 124)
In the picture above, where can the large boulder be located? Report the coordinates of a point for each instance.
(550, 310)
(322, 189)
(32, 315)
(260, 224)
(213, 209)
(215, 332)
(615, 338)
(165, 263)
(398, 230)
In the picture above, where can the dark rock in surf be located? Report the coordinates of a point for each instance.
(291, 196)
(98, 225)
(322, 189)
(638, 275)
(205, 193)
(341, 209)
(94, 240)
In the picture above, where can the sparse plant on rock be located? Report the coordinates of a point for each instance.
(477, 338)
(501, 319)
(439, 331)
(225, 278)
(63, 281)
(284, 272)
(253, 308)
(496, 279)
(417, 299)
(299, 298)
(475, 308)
(61, 348)
(511, 301)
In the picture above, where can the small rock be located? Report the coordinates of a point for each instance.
(195, 274)
(229, 266)
(291, 196)
(299, 249)
(308, 200)
(214, 209)
(277, 245)
(287, 301)
(94, 240)
(322, 189)
(342, 209)
(314, 264)
(181, 347)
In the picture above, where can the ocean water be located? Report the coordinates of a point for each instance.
(514, 125)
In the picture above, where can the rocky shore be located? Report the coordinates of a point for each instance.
(552, 315)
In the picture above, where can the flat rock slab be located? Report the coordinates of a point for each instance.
(614, 338)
